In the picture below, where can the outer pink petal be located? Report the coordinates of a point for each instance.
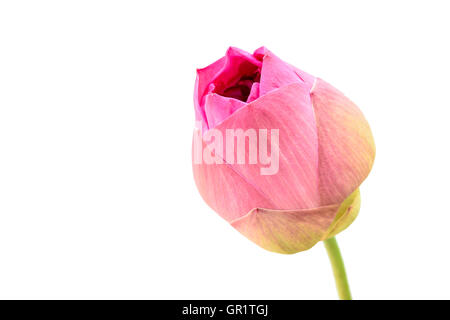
(306, 77)
(288, 109)
(288, 231)
(346, 146)
(225, 190)
(292, 231)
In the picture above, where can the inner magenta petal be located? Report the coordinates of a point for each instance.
(239, 66)
(218, 108)
(254, 92)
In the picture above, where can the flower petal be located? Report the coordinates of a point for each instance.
(238, 63)
(306, 77)
(218, 108)
(295, 184)
(346, 146)
(224, 189)
(204, 78)
(347, 213)
(275, 73)
(254, 92)
(286, 231)
(292, 231)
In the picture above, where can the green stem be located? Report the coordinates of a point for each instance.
(338, 267)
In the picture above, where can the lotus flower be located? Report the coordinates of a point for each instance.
(325, 148)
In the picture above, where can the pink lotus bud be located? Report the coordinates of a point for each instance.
(278, 153)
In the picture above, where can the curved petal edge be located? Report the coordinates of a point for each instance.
(292, 231)
(346, 145)
(286, 231)
(347, 213)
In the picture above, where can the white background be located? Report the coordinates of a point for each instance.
(97, 198)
